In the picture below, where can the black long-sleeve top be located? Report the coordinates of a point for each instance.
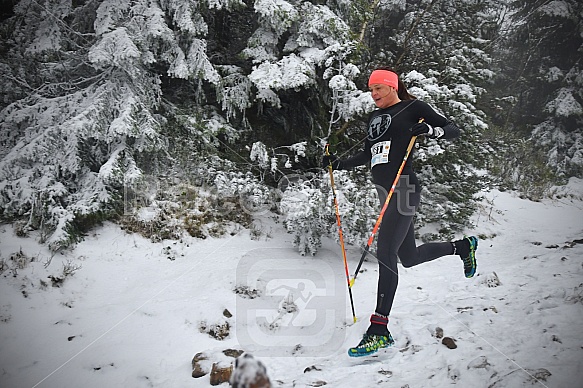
(388, 137)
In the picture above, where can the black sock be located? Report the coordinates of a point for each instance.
(378, 325)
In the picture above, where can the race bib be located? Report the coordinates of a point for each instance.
(380, 153)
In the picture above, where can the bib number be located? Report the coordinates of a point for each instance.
(380, 153)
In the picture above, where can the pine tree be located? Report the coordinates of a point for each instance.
(91, 111)
(441, 51)
(538, 96)
(302, 59)
(236, 95)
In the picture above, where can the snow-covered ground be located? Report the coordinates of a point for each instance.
(133, 313)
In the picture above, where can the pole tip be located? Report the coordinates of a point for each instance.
(351, 283)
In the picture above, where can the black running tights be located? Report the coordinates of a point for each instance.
(396, 239)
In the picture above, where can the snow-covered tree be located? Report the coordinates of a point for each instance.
(99, 95)
(92, 104)
(303, 205)
(538, 95)
(443, 58)
(294, 43)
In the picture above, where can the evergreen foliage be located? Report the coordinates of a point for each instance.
(536, 104)
(107, 104)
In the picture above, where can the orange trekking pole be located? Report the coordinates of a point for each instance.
(340, 232)
(386, 204)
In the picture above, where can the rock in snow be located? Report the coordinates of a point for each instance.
(249, 373)
(240, 369)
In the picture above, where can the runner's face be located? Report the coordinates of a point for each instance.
(383, 95)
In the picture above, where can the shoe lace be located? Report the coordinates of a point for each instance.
(468, 260)
(368, 340)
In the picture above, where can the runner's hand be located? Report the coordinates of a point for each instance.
(424, 129)
(336, 163)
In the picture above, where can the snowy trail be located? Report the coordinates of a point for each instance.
(131, 315)
(517, 320)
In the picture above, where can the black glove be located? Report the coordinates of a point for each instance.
(426, 130)
(336, 163)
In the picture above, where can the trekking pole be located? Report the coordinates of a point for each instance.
(340, 233)
(386, 204)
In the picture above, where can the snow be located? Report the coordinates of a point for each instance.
(278, 13)
(290, 72)
(556, 8)
(259, 154)
(115, 48)
(564, 104)
(130, 312)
